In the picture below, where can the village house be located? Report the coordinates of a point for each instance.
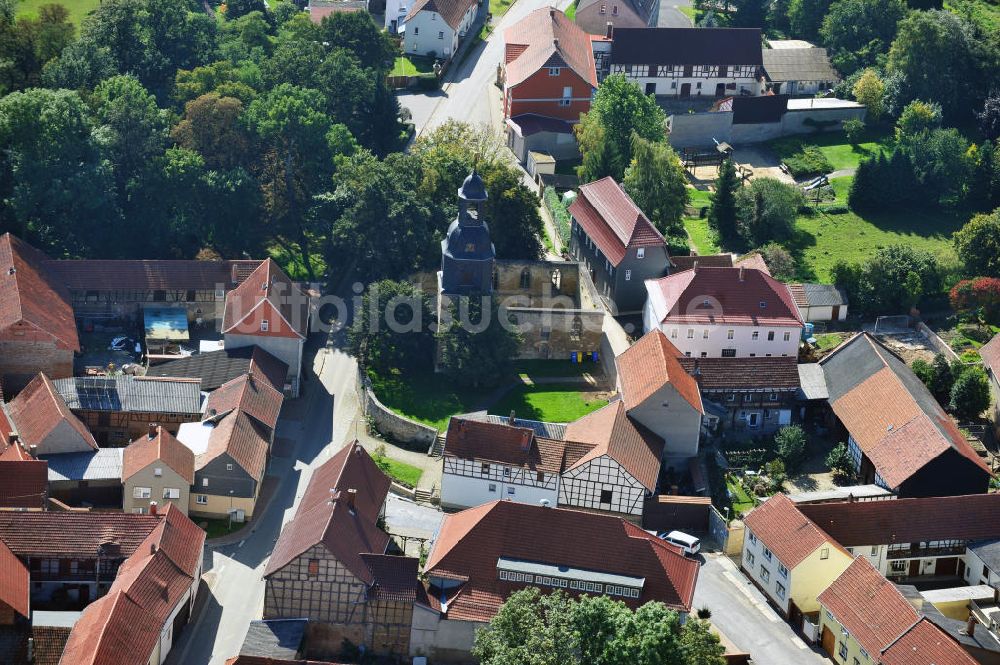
(617, 243)
(819, 302)
(474, 566)
(157, 469)
(118, 409)
(595, 16)
(908, 444)
(789, 558)
(435, 28)
(865, 619)
(689, 62)
(990, 353)
(724, 313)
(214, 368)
(797, 70)
(43, 422)
(89, 479)
(37, 330)
(330, 563)
(252, 395)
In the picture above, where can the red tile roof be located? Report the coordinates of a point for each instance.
(267, 660)
(161, 447)
(39, 409)
(990, 353)
(852, 524)
(470, 543)
(760, 373)
(926, 644)
(869, 606)
(15, 590)
(24, 483)
(612, 220)
(240, 437)
(703, 261)
(269, 289)
(504, 444)
(451, 11)
(394, 578)
(612, 432)
(546, 38)
(71, 534)
(720, 296)
(250, 394)
(124, 627)
(753, 260)
(648, 365)
(30, 295)
(789, 534)
(149, 274)
(327, 518)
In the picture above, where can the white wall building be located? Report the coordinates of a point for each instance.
(434, 28)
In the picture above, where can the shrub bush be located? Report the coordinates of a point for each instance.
(808, 162)
(559, 213)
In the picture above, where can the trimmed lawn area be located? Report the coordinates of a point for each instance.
(78, 9)
(834, 146)
(411, 65)
(216, 528)
(986, 14)
(829, 341)
(499, 7)
(702, 237)
(428, 398)
(738, 497)
(551, 403)
(406, 474)
(547, 368)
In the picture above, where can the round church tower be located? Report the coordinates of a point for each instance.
(467, 254)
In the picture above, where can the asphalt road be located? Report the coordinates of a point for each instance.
(740, 611)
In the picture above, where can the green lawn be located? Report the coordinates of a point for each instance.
(551, 403)
(571, 11)
(427, 398)
(406, 474)
(828, 341)
(78, 9)
(834, 146)
(499, 7)
(702, 237)
(411, 65)
(549, 368)
(216, 528)
(739, 499)
(690, 12)
(983, 12)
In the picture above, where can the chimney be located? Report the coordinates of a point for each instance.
(741, 273)
(152, 431)
(152, 546)
(152, 508)
(33, 450)
(851, 498)
(552, 12)
(694, 266)
(609, 31)
(511, 418)
(351, 496)
(555, 42)
(970, 626)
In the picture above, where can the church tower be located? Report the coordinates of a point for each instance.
(467, 254)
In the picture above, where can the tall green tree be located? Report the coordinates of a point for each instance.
(722, 214)
(870, 91)
(657, 182)
(970, 395)
(391, 332)
(857, 32)
(479, 344)
(918, 117)
(805, 17)
(766, 210)
(213, 126)
(978, 245)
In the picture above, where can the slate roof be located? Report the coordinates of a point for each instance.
(71, 534)
(704, 261)
(990, 353)
(161, 447)
(546, 38)
(817, 295)
(869, 606)
(39, 409)
(648, 365)
(102, 464)
(267, 283)
(694, 46)
(274, 638)
(926, 644)
(798, 64)
(760, 373)
(255, 397)
(451, 11)
(470, 543)
(218, 367)
(30, 294)
(326, 519)
(786, 531)
(23, 483)
(15, 590)
(530, 124)
(610, 431)
(723, 296)
(149, 274)
(852, 524)
(612, 220)
(909, 429)
(134, 394)
(240, 437)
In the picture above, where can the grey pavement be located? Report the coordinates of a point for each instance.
(431, 466)
(740, 611)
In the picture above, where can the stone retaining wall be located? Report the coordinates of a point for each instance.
(390, 424)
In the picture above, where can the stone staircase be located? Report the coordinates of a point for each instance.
(423, 495)
(437, 448)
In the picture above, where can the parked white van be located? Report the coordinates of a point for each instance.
(686, 542)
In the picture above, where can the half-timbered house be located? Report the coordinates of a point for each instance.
(330, 563)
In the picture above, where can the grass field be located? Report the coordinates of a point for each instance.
(834, 146)
(738, 497)
(411, 65)
(986, 14)
(828, 341)
(407, 474)
(702, 237)
(78, 9)
(571, 11)
(216, 528)
(427, 398)
(551, 403)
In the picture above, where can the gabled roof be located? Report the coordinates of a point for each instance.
(610, 431)
(218, 367)
(760, 373)
(394, 578)
(470, 543)
(703, 261)
(149, 274)
(648, 365)
(39, 409)
(798, 64)
(15, 590)
(253, 396)
(163, 447)
(546, 38)
(100, 464)
(135, 394)
(740, 296)
(909, 429)
(612, 220)
(325, 514)
(686, 46)
(869, 606)
(274, 638)
(30, 294)
(857, 523)
(451, 11)
(240, 437)
(926, 644)
(990, 353)
(503, 444)
(786, 531)
(267, 284)
(70, 534)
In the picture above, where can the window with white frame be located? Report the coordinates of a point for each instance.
(640, 253)
(729, 334)
(788, 336)
(842, 650)
(201, 499)
(264, 325)
(704, 334)
(553, 71)
(770, 335)
(171, 493)
(141, 492)
(767, 554)
(782, 570)
(158, 471)
(755, 335)
(749, 558)
(673, 334)
(753, 538)
(690, 333)
(440, 35)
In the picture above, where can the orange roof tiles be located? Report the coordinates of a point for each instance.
(249, 394)
(504, 444)
(612, 220)
(469, 544)
(648, 365)
(926, 644)
(789, 534)
(281, 304)
(612, 432)
(240, 437)
(869, 606)
(30, 295)
(24, 481)
(163, 447)
(547, 38)
(451, 11)
(38, 409)
(703, 261)
(71, 534)
(15, 590)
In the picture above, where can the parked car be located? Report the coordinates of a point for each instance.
(686, 542)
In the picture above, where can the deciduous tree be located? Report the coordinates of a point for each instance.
(722, 215)
(657, 183)
(978, 244)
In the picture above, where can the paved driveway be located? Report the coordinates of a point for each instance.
(740, 611)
